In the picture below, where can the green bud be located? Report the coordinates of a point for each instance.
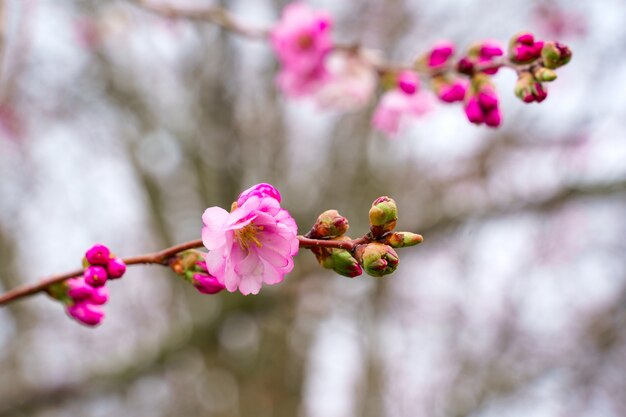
(342, 262)
(402, 239)
(555, 54)
(377, 259)
(329, 224)
(523, 86)
(186, 261)
(383, 216)
(544, 74)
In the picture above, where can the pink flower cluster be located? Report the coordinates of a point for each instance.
(252, 245)
(87, 293)
(343, 77)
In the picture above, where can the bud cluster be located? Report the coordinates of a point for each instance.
(374, 253)
(83, 296)
(541, 58)
(191, 266)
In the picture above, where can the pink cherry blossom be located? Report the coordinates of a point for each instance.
(350, 82)
(301, 41)
(401, 103)
(252, 245)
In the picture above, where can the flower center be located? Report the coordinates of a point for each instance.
(247, 235)
(305, 41)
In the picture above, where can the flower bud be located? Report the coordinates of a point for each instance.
(555, 54)
(329, 224)
(450, 89)
(544, 74)
(402, 239)
(96, 276)
(377, 259)
(207, 284)
(99, 296)
(116, 268)
(440, 54)
(523, 49)
(408, 82)
(98, 255)
(78, 289)
(187, 261)
(529, 90)
(86, 313)
(342, 262)
(383, 216)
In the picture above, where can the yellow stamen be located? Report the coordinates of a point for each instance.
(247, 235)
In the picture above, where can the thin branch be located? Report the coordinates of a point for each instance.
(162, 258)
(213, 14)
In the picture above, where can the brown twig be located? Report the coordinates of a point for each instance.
(161, 258)
(214, 14)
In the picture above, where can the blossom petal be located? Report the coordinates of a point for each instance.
(214, 219)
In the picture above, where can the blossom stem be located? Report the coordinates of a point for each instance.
(160, 258)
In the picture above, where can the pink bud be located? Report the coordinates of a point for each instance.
(493, 118)
(453, 92)
(526, 38)
(528, 97)
(490, 49)
(98, 255)
(540, 93)
(86, 313)
(99, 296)
(207, 284)
(408, 81)
(440, 53)
(473, 111)
(465, 66)
(116, 268)
(78, 289)
(487, 99)
(260, 190)
(96, 276)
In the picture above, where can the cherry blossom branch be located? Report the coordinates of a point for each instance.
(163, 257)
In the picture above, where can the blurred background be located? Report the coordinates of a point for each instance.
(119, 126)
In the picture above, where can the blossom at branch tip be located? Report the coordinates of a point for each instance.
(402, 102)
(252, 245)
(302, 40)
